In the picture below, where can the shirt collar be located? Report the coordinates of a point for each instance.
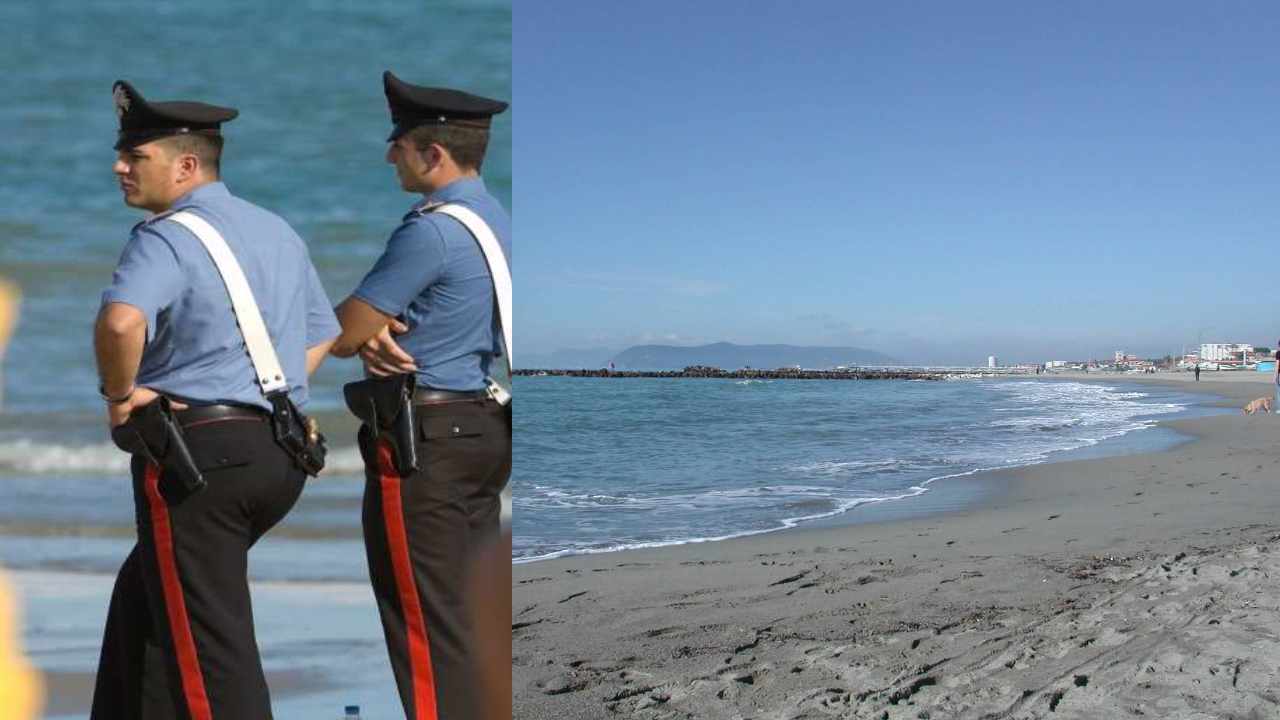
(456, 190)
(204, 193)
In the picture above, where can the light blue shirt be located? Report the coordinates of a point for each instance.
(195, 351)
(433, 276)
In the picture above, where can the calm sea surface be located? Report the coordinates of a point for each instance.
(609, 464)
(309, 145)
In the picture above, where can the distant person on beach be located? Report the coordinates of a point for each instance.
(442, 455)
(1275, 376)
(219, 451)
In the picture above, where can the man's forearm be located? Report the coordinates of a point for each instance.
(360, 321)
(316, 355)
(119, 337)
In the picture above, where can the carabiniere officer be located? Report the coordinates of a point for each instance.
(179, 640)
(423, 531)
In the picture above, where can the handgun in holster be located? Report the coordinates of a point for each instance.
(298, 435)
(153, 432)
(385, 405)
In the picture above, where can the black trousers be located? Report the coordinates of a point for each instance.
(179, 639)
(422, 534)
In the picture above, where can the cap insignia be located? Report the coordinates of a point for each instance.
(121, 99)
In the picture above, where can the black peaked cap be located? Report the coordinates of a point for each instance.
(414, 105)
(142, 121)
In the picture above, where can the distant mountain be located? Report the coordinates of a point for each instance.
(728, 356)
(569, 359)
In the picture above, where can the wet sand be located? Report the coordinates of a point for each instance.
(1135, 586)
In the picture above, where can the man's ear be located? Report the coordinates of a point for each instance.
(188, 166)
(434, 155)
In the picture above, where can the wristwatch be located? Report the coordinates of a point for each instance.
(102, 391)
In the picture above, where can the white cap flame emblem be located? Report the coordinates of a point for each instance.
(121, 99)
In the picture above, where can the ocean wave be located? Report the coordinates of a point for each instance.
(1041, 424)
(40, 458)
(46, 458)
(543, 497)
(784, 524)
(344, 460)
(845, 467)
(1018, 424)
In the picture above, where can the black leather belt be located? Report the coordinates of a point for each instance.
(205, 414)
(432, 396)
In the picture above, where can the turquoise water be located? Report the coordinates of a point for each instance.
(309, 145)
(610, 464)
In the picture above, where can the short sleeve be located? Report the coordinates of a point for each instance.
(413, 259)
(322, 324)
(148, 276)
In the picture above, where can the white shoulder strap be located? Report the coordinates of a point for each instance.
(498, 268)
(261, 352)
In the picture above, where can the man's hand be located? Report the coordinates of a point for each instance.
(1262, 404)
(118, 413)
(382, 356)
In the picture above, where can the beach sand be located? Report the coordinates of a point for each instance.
(1134, 586)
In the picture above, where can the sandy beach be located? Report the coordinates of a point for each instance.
(1132, 586)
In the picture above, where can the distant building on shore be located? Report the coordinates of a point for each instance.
(992, 362)
(1225, 352)
(1124, 358)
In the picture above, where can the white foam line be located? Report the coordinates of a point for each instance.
(36, 458)
(786, 524)
(793, 522)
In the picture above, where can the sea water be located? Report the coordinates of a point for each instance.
(607, 464)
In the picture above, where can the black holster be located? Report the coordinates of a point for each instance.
(385, 405)
(153, 432)
(304, 443)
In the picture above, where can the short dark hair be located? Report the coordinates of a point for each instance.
(208, 148)
(466, 145)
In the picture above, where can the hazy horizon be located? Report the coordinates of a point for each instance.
(600, 356)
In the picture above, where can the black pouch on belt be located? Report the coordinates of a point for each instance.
(385, 405)
(299, 437)
(154, 433)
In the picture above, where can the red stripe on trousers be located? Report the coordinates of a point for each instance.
(421, 675)
(175, 606)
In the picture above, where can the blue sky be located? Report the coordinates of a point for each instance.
(939, 181)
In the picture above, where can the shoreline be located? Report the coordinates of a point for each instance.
(938, 495)
(884, 614)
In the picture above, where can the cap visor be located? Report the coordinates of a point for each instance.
(397, 131)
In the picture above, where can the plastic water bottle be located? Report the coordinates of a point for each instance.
(351, 712)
